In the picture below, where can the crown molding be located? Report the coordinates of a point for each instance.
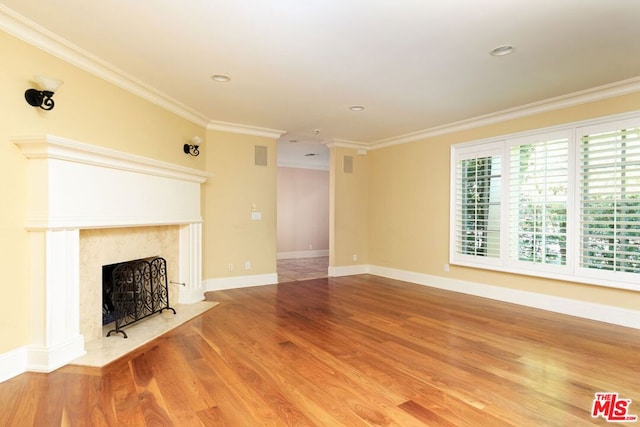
(611, 90)
(343, 143)
(28, 31)
(245, 129)
(38, 36)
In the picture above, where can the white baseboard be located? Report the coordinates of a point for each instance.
(39, 359)
(48, 359)
(13, 363)
(303, 254)
(587, 310)
(348, 270)
(218, 284)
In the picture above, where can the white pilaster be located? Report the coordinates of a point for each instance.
(55, 290)
(191, 264)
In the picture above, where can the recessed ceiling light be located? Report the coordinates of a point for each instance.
(356, 108)
(221, 78)
(502, 50)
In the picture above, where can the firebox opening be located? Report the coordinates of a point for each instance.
(134, 290)
(108, 309)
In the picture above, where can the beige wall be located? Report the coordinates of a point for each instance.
(88, 110)
(303, 209)
(409, 216)
(229, 234)
(349, 209)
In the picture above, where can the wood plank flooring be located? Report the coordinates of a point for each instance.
(350, 351)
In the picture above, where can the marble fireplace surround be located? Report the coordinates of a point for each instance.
(76, 186)
(106, 246)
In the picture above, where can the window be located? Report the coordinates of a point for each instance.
(561, 203)
(478, 204)
(609, 199)
(479, 207)
(538, 199)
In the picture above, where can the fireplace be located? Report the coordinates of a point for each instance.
(66, 213)
(107, 246)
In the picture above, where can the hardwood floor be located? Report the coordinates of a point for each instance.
(352, 351)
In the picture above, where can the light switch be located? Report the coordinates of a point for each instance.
(256, 216)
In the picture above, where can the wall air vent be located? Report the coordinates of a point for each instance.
(261, 155)
(347, 164)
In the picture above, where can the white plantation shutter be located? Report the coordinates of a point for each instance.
(478, 176)
(538, 195)
(609, 198)
(561, 203)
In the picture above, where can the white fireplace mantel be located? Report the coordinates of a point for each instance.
(76, 186)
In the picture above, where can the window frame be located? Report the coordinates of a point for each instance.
(590, 273)
(531, 139)
(473, 151)
(571, 271)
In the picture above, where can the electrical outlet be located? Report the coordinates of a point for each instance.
(247, 265)
(355, 257)
(230, 267)
(446, 268)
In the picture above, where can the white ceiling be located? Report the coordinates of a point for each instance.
(298, 65)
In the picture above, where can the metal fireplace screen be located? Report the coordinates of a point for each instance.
(134, 290)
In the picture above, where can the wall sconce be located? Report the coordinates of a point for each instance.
(193, 148)
(43, 98)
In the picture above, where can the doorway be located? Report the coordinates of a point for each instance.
(303, 211)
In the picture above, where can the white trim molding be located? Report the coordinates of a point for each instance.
(190, 259)
(28, 31)
(55, 147)
(55, 303)
(607, 91)
(587, 310)
(236, 282)
(245, 129)
(47, 359)
(348, 270)
(343, 143)
(13, 363)
(64, 175)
